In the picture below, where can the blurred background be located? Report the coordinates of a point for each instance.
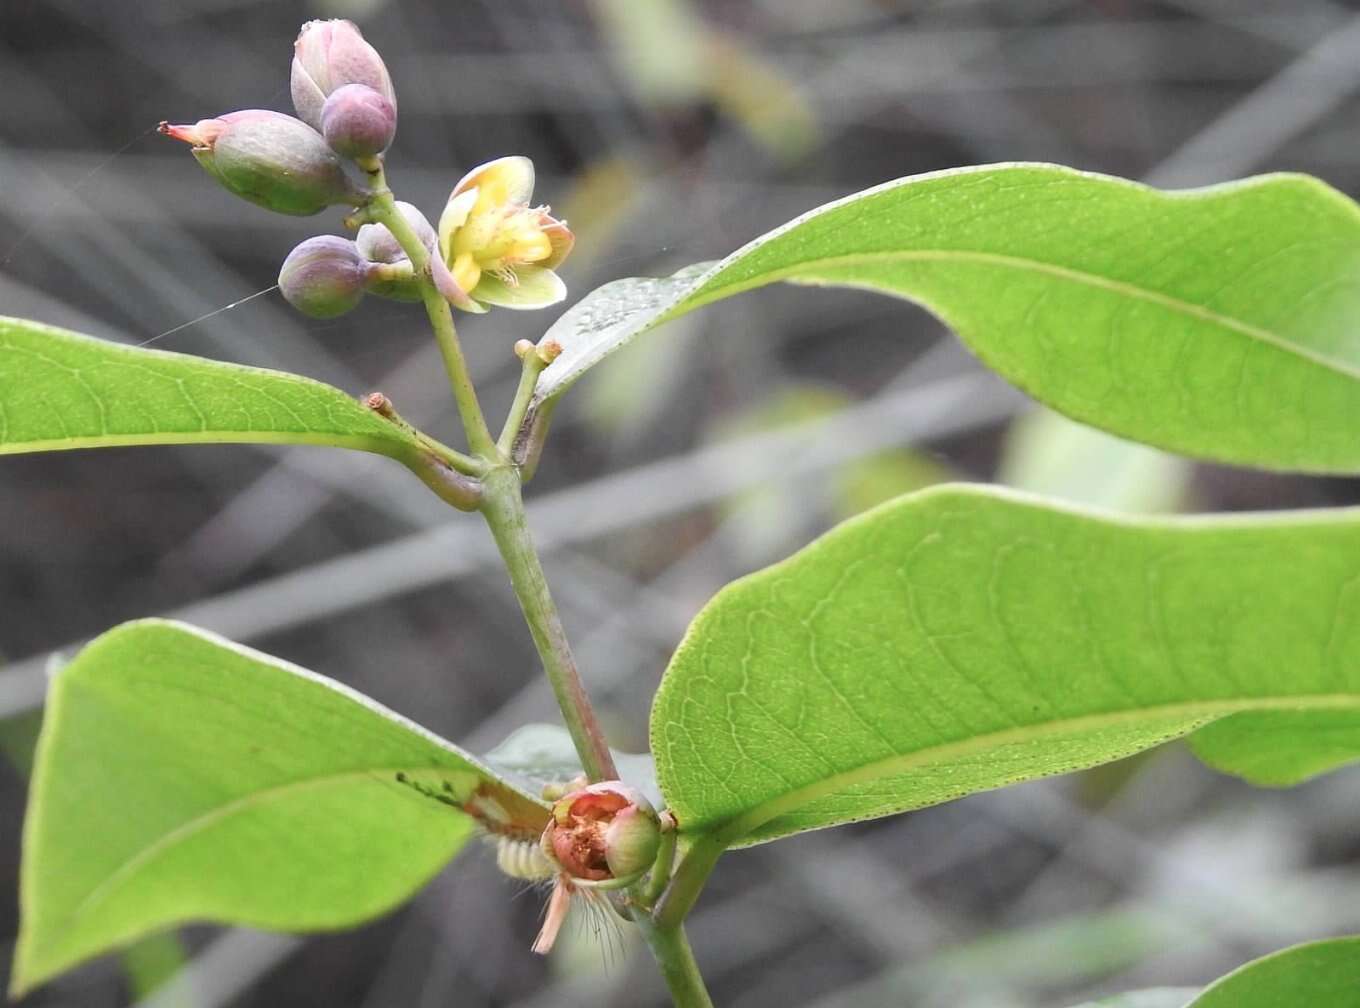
(666, 131)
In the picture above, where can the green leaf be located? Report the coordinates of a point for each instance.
(543, 755)
(1321, 974)
(964, 638)
(1216, 322)
(1160, 997)
(181, 777)
(59, 390)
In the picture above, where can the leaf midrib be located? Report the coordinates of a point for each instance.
(734, 829)
(704, 296)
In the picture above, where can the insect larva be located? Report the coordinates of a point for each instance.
(523, 859)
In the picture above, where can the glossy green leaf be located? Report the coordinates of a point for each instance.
(181, 777)
(1159, 997)
(1217, 322)
(1321, 974)
(965, 638)
(59, 390)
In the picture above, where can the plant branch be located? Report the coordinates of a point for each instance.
(503, 508)
(671, 950)
(382, 209)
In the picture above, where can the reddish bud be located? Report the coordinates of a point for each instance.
(324, 276)
(604, 833)
(358, 122)
(271, 159)
(328, 55)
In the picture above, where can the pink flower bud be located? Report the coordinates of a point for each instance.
(328, 55)
(271, 159)
(324, 276)
(358, 122)
(603, 833)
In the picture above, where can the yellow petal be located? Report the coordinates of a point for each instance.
(507, 180)
(455, 215)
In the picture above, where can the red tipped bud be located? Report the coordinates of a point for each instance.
(271, 159)
(324, 276)
(604, 834)
(328, 55)
(358, 122)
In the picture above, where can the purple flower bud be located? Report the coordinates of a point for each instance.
(324, 276)
(328, 55)
(271, 159)
(358, 122)
(377, 244)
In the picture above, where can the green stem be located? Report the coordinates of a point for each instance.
(503, 508)
(671, 950)
(528, 380)
(687, 882)
(661, 870)
(382, 209)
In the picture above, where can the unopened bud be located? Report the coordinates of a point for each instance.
(328, 55)
(271, 159)
(523, 348)
(324, 276)
(549, 350)
(377, 244)
(358, 122)
(604, 835)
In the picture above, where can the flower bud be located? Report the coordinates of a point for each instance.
(271, 159)
(392, 275)
(328, 55)
(377, 244)
(324, 276)
(358, 122)
(604, 834)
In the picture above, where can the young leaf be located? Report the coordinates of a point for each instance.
(963, 638)
(1321, 974)
(59, 390)
(1215, 322)
(181, 777)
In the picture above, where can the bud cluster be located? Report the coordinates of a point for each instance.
(491, 247)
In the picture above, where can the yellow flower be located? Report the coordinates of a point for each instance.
(500, 250)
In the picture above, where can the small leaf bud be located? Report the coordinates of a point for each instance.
(271, 159)
(324, 276)
(328, 55)
(606, 834)
(358, 122)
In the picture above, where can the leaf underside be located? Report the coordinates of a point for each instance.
(181, 777)
(1221, 322)
(61, 390)
(965, 638)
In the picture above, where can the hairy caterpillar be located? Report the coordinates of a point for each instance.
(523, 859)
